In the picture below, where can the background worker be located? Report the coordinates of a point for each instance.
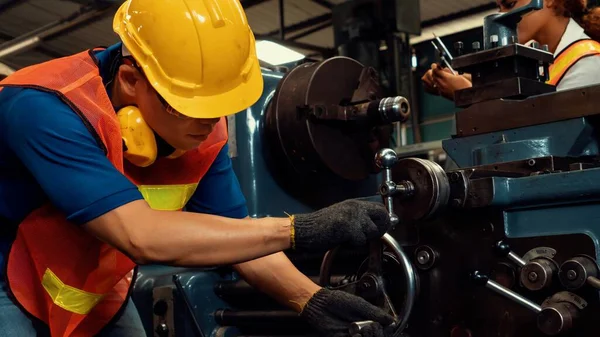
(570, 30)
(98, 150)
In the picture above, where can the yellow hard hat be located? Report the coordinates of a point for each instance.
(199, 55)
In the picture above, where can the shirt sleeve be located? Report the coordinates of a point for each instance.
(584, 72)
(53, 143)
(219, 190)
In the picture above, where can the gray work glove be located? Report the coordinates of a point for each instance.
(331, 312)
(351, 222)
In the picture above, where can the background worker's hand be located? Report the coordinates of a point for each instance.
(441, 81)
(351, 222)
(331, 312)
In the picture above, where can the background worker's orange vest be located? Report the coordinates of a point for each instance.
(58, 272)
(569, 56)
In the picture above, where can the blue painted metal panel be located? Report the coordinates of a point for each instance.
(573, 137)
(199, 287)
(550, 204)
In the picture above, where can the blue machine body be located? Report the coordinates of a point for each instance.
(542, 205)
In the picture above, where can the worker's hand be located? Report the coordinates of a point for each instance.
(441, 81)
(429, 84)
(351, 222)
(331, 312)
(447, 82)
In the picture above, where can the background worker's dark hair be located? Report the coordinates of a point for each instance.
(588, 18)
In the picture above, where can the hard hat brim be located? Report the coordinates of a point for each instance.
(228, 103)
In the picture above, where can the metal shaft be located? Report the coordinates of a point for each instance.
(593, 282)
(497, 288)
(517, 259)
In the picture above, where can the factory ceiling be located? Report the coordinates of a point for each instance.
(87, 24)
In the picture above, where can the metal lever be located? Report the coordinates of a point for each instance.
(386, 159)
(503, 249)
(481, 279)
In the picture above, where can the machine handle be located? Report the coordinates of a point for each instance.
(503, 250)
(484, 280)
(385, 159)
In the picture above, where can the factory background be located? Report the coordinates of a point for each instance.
(32, 31)
(504, 243)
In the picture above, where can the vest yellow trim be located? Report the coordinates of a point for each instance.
(159, 197)
(168, 197)
(69, 298)
(570, 56)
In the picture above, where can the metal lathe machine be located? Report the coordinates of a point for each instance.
(505, 246)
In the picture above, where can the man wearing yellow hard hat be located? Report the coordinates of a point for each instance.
(101, 150)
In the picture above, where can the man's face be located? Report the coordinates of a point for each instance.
(179, 131)
(531, 24)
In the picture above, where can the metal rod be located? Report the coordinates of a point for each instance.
(497, 288)
(594, 282)
(281, 21)
(517, 259)
(35, 36)
(188, 305)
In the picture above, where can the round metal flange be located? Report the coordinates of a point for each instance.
(431, 189)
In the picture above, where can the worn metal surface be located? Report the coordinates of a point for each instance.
(570, 138)
(499, 115)
(513, 88)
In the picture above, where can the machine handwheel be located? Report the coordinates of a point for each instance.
(370, 284)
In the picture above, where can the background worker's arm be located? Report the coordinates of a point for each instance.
(63, 157)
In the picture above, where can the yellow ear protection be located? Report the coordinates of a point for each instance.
(139, 141)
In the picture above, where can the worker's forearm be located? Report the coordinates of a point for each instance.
(276, 276)
(188, 239)
(191, 239)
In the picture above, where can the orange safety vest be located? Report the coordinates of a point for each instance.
(569, 56)
(58, 272)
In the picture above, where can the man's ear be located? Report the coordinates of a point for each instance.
(128, 76)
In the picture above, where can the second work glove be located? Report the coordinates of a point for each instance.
(351, 222)
(331, 312)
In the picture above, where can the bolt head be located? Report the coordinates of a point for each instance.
(386, 158)
(423, 257)
(571, 275)
(533, 276)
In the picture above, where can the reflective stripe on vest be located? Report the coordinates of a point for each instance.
(168, 197)
(58, 272)
(569, 56)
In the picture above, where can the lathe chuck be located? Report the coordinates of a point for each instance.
(314, 140)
